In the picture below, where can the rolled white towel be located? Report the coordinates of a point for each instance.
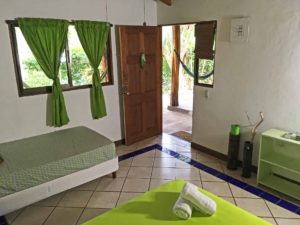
(198, 200)
(182, 209)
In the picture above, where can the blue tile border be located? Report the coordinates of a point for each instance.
(3, 221)
(249, 188)
(138, 152)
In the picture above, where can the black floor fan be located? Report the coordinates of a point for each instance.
(248, 148)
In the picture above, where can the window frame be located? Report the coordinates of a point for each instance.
(196, 59)
(48, 89)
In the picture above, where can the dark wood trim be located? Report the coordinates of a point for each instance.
(167, 2)
(173, 24)
(120, 142)
(209, 151)
(15, 55)
(109, 61)
(175, 66)
(185, 23)
(15, 22)
(68, 63)
(48, 89)
(216, 154)
(203, 85)
(196, 59)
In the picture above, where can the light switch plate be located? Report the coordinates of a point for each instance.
(240, 30)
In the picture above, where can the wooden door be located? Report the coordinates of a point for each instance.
(141, 85)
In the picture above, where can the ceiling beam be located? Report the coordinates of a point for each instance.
(167, 2)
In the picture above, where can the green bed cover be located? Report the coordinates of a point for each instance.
(155, 208)
(36, 160)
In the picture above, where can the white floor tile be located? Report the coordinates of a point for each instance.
(89, 214)
(154, 183)
(256, 206)
(142, 162)
(75, 199)
(103, 200)
(136, 185)
(125, 197)
(33, 215)
(64, 216)
(140, 172)
(240, 193)
(288, 221)
(188, 174)
(278, 211)
(110, 184)
(164, 173)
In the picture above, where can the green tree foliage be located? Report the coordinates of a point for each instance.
(36, 77)
(187, 39)
(206, 66)
(80, 69)
(187, 42)
(167, 62)
(166, 76)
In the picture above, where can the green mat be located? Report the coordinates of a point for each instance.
(155, 208)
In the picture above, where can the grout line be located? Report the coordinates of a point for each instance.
(270, 211)
(49, 215)
(87, 202)
(151, 173)
(194, 163)
(231, 193)
(229, 179)
(125, 178)
(18, 214)
(63, 195)
(80, 215)
(221, 175)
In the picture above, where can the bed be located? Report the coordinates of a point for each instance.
(155, 208)
(38, 167)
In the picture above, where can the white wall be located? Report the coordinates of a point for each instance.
(262, 75)
(26, 116)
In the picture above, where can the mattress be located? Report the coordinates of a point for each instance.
(36, 160)
(155, 208)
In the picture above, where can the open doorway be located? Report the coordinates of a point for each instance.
(178, 44)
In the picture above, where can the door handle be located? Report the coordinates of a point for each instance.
(125, 92)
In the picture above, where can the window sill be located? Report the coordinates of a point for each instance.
(48, 89)
(204, 85)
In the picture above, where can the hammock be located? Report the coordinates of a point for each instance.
(205, 76)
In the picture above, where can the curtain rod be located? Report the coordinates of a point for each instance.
(15, 22)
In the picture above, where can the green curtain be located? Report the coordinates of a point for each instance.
(47, 39)
(93, 37)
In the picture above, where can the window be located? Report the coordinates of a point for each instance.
(205, 33)
(75, 71)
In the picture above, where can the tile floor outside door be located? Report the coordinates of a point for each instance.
(140, 174)
(176, 121)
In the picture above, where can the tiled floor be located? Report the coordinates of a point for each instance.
(142, 173)
(176, 121)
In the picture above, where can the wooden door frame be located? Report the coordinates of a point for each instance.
(119, 74)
